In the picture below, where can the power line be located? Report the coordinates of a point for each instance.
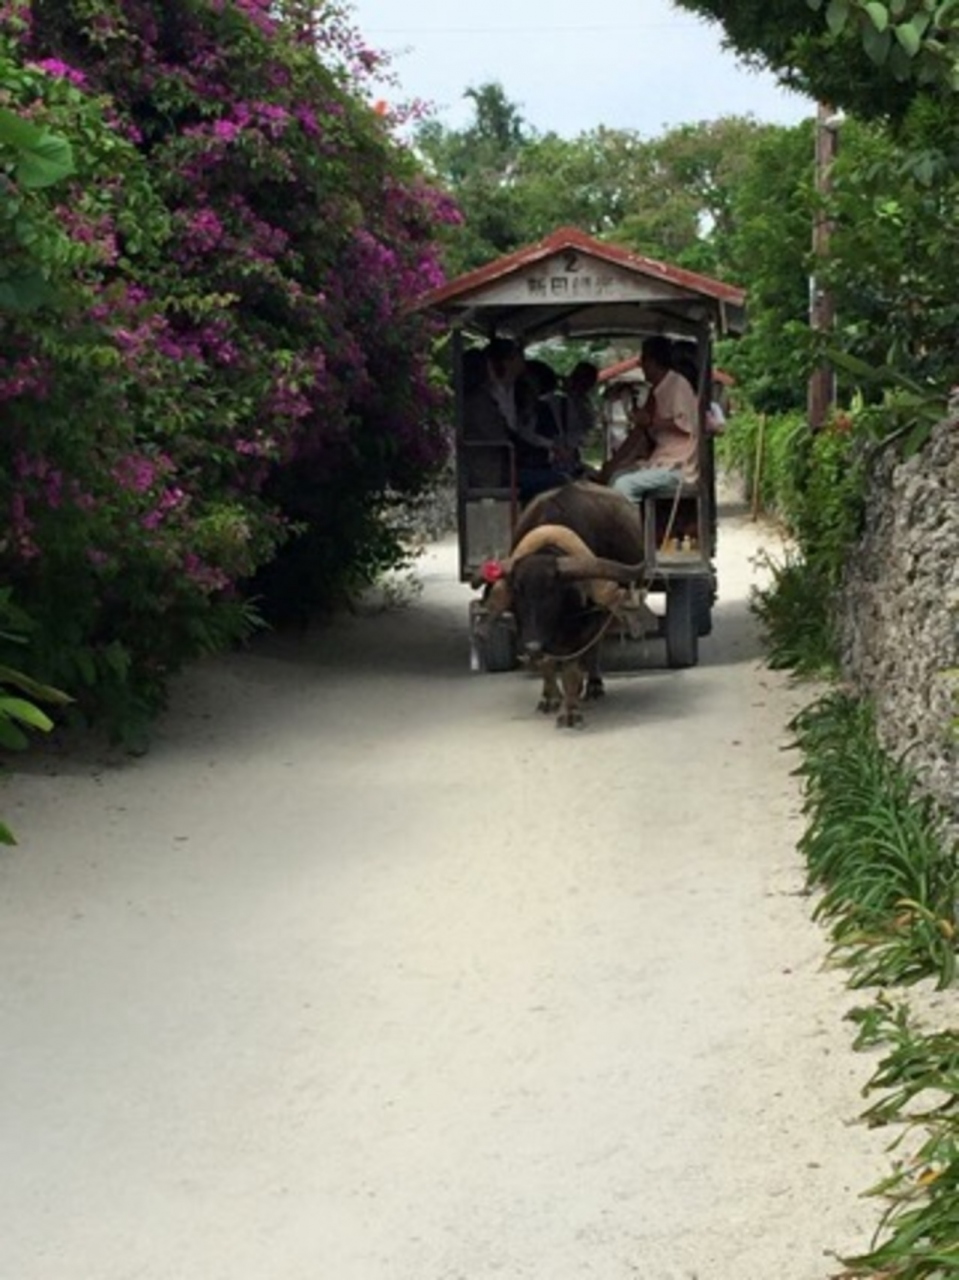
(526, 31)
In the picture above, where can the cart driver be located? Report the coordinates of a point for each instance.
(660, 450)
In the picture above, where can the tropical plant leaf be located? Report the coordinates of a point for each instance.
(44, 692)
(909, 38)
(837, 13)
(25, 712)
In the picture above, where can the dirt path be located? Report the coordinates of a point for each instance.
(367, 972)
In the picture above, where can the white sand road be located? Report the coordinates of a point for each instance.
(368, 972)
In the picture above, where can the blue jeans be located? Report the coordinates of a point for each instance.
(636, 484)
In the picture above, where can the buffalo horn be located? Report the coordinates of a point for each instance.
(548, 535)
(579, 568)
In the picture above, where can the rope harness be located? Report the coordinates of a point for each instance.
(673, 511)
(574, 657)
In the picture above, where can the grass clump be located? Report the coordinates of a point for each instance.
(874, 848)
(918, 1078)
(797, 615)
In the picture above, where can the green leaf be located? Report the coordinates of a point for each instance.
(25, 292)
(837, 13)
(117, 658)
(46, 162)
(877, 44)
(878, 15)
(86, 666)
(916, 439)
(26, 713)
(924, 170)
(908, 38)
(17, 132)
(11, 737)
(43, 692)
(900, 64)
(6, 835)
(858, 368)
(44, 157)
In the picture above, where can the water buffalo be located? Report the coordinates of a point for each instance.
(575, 550)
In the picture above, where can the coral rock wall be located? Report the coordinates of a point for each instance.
(899, 622)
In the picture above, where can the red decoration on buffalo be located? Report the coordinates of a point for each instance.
(491, 571)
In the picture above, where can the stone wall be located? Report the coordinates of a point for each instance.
(900, 610)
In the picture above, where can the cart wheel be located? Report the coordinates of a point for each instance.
(499, 647)
(703, 606)
(682, 623)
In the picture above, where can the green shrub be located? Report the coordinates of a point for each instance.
(812, 483)
(767, 446)
(19, 694)
(206, 345)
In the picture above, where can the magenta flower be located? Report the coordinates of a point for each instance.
(203, 231)
(135, 473)
(226, 130)
(60, 70)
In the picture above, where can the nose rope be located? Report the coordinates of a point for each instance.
(572, 657)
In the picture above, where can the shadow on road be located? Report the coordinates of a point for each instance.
(736, 637)
(406, 656)
(429, 637)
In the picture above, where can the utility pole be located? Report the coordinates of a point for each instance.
(822, 311)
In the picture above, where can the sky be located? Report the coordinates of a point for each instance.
(569, 67)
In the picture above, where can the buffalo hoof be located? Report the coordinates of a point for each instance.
(548, 705)
(595, 689)
(570, 720)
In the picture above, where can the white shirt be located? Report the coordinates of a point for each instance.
(675, 447)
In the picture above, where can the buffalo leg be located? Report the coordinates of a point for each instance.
(595, 688)
(551, 699)
(572, 677)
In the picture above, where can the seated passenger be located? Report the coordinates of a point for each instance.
(618, 405)
(489, 411)
(538, 432)
(686, 362)
(577, 414)
(669, 421)
(715, 418)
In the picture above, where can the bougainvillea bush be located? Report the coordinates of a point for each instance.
(223, 369)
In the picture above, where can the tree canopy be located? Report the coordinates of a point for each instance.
(873, 57)
(669, 197)
(735, 199)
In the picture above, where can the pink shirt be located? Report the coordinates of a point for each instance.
(676, 446)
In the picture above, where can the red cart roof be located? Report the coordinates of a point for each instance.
(572, 285)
